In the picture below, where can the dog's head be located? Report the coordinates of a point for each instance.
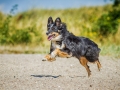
(54, 29)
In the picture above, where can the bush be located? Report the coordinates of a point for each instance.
(9, 34)
(108, 23)
(21, 36)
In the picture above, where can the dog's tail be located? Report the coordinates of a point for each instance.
(99, 50)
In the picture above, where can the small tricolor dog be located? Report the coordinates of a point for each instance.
(66, 44)
(56, 41)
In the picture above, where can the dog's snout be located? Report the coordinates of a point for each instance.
(47, 33)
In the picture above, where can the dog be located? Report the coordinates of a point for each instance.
(56, 42)
(84, 49)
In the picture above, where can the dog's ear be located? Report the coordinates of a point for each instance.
(50, 20)
(57, 21)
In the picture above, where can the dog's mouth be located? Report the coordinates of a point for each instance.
(51, 36)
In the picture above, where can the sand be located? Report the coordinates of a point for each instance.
(29, 72)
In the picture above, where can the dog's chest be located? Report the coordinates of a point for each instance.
(57, 44)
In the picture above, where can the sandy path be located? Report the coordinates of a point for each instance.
(29, 72)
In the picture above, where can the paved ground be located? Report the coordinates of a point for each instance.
(29, 72)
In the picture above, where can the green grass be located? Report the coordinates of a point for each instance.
(110, 50)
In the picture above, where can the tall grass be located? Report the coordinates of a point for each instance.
(26, 30)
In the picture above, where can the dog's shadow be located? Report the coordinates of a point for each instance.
(47, 76)
(51, 76)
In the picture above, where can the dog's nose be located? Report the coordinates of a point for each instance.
(47, 33)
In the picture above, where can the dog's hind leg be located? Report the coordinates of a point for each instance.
(84, 61)
(98, 65)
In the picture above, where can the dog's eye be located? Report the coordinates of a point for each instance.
(48, 28)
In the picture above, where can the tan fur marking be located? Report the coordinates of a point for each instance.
(55, 33)
(84, 61)
(98, 65)
(57, 52)
(48, 57)
(62, 54)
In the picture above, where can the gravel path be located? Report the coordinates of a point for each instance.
(29, 72)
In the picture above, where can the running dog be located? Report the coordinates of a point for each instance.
(84, 49)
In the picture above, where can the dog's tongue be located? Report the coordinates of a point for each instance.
(50, 37)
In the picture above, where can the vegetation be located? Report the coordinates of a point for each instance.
(25, 32)
(108, 23)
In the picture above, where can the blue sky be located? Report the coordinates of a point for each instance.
(6, 5)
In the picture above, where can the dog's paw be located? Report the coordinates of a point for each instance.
(48, 58)
(52, 59)
(44, 59)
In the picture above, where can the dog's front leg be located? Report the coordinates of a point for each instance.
(48, 58)
(56, 52)
(51, 57)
